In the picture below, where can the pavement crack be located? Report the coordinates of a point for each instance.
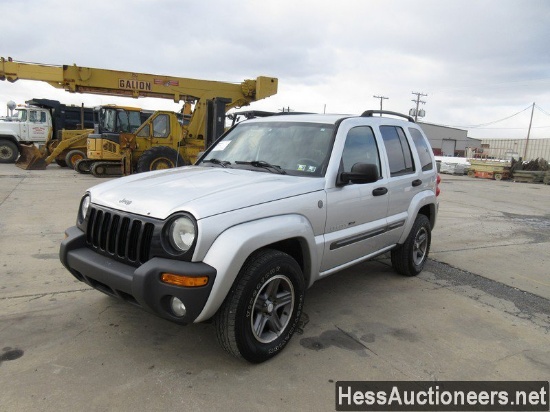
(349, 335)
(526, 305)
(433, 252)
(13, 190)
(41, 295)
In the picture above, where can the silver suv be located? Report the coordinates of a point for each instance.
(274, 205)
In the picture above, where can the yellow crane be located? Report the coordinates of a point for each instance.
(194, 93)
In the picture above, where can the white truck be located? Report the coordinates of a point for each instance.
(30, 124)
(39, 122)
(274, 205)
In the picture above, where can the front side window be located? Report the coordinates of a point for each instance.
(123, 122)
(296, 148)
(108, 120)
(424, 151)
(144, 132)
(360, 147)
(398, 150)
(161, 126)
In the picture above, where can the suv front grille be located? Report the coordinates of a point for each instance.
(124, 237)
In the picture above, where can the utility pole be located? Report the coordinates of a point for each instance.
(381, 98)
(417, 101)
(528, 132)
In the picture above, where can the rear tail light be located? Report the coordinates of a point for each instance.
(437, 182)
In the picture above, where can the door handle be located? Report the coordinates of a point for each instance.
(416, 182)
(379, 191)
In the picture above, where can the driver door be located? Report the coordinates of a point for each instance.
(38, 126)
(356, 213)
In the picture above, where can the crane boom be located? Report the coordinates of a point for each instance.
(76, 79)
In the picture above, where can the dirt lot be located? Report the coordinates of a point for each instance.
(480, 311)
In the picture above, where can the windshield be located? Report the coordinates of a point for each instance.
(119, 120)
(295, 148)
(21, 115)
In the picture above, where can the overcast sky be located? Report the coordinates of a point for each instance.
(478, 61)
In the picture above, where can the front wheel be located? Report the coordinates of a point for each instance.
(74, 156)
(8, 151)
(409, 258)
(262, 309)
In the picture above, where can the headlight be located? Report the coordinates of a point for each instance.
(181, 233)
(84, 205)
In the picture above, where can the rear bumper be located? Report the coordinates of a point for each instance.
(140, 286)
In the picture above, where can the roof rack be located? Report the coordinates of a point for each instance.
(369, 113)
(287, 113)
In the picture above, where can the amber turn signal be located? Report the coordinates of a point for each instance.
(182, 280)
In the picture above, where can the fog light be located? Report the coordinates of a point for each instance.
(177, 306)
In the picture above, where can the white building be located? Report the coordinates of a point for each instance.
(516, 148)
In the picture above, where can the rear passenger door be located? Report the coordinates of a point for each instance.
(356, 213)
(404, 182)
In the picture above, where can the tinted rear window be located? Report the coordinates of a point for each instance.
(423, 149)
(398, 149)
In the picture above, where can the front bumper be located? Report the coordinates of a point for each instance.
(140, 286)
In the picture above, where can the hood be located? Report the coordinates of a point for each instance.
(201, 191)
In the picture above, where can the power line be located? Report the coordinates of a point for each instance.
(475, 126)
(505, 128)
(542, 110)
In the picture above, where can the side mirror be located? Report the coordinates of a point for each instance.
(360, 173)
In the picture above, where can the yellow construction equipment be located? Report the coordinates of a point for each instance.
(197, 96)
(67, 147)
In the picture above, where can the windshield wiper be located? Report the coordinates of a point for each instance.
(222, 163)
(264, 165)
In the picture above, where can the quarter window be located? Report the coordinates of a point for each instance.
(398, 149)
(424, 151)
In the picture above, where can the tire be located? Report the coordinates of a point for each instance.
(74, 156)
(498, 176)
(157, 158)
(409, 258)
(8, 152)
(275, 279)
(61, 163)
(471, 173)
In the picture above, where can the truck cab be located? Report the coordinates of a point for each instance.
(34, 124)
